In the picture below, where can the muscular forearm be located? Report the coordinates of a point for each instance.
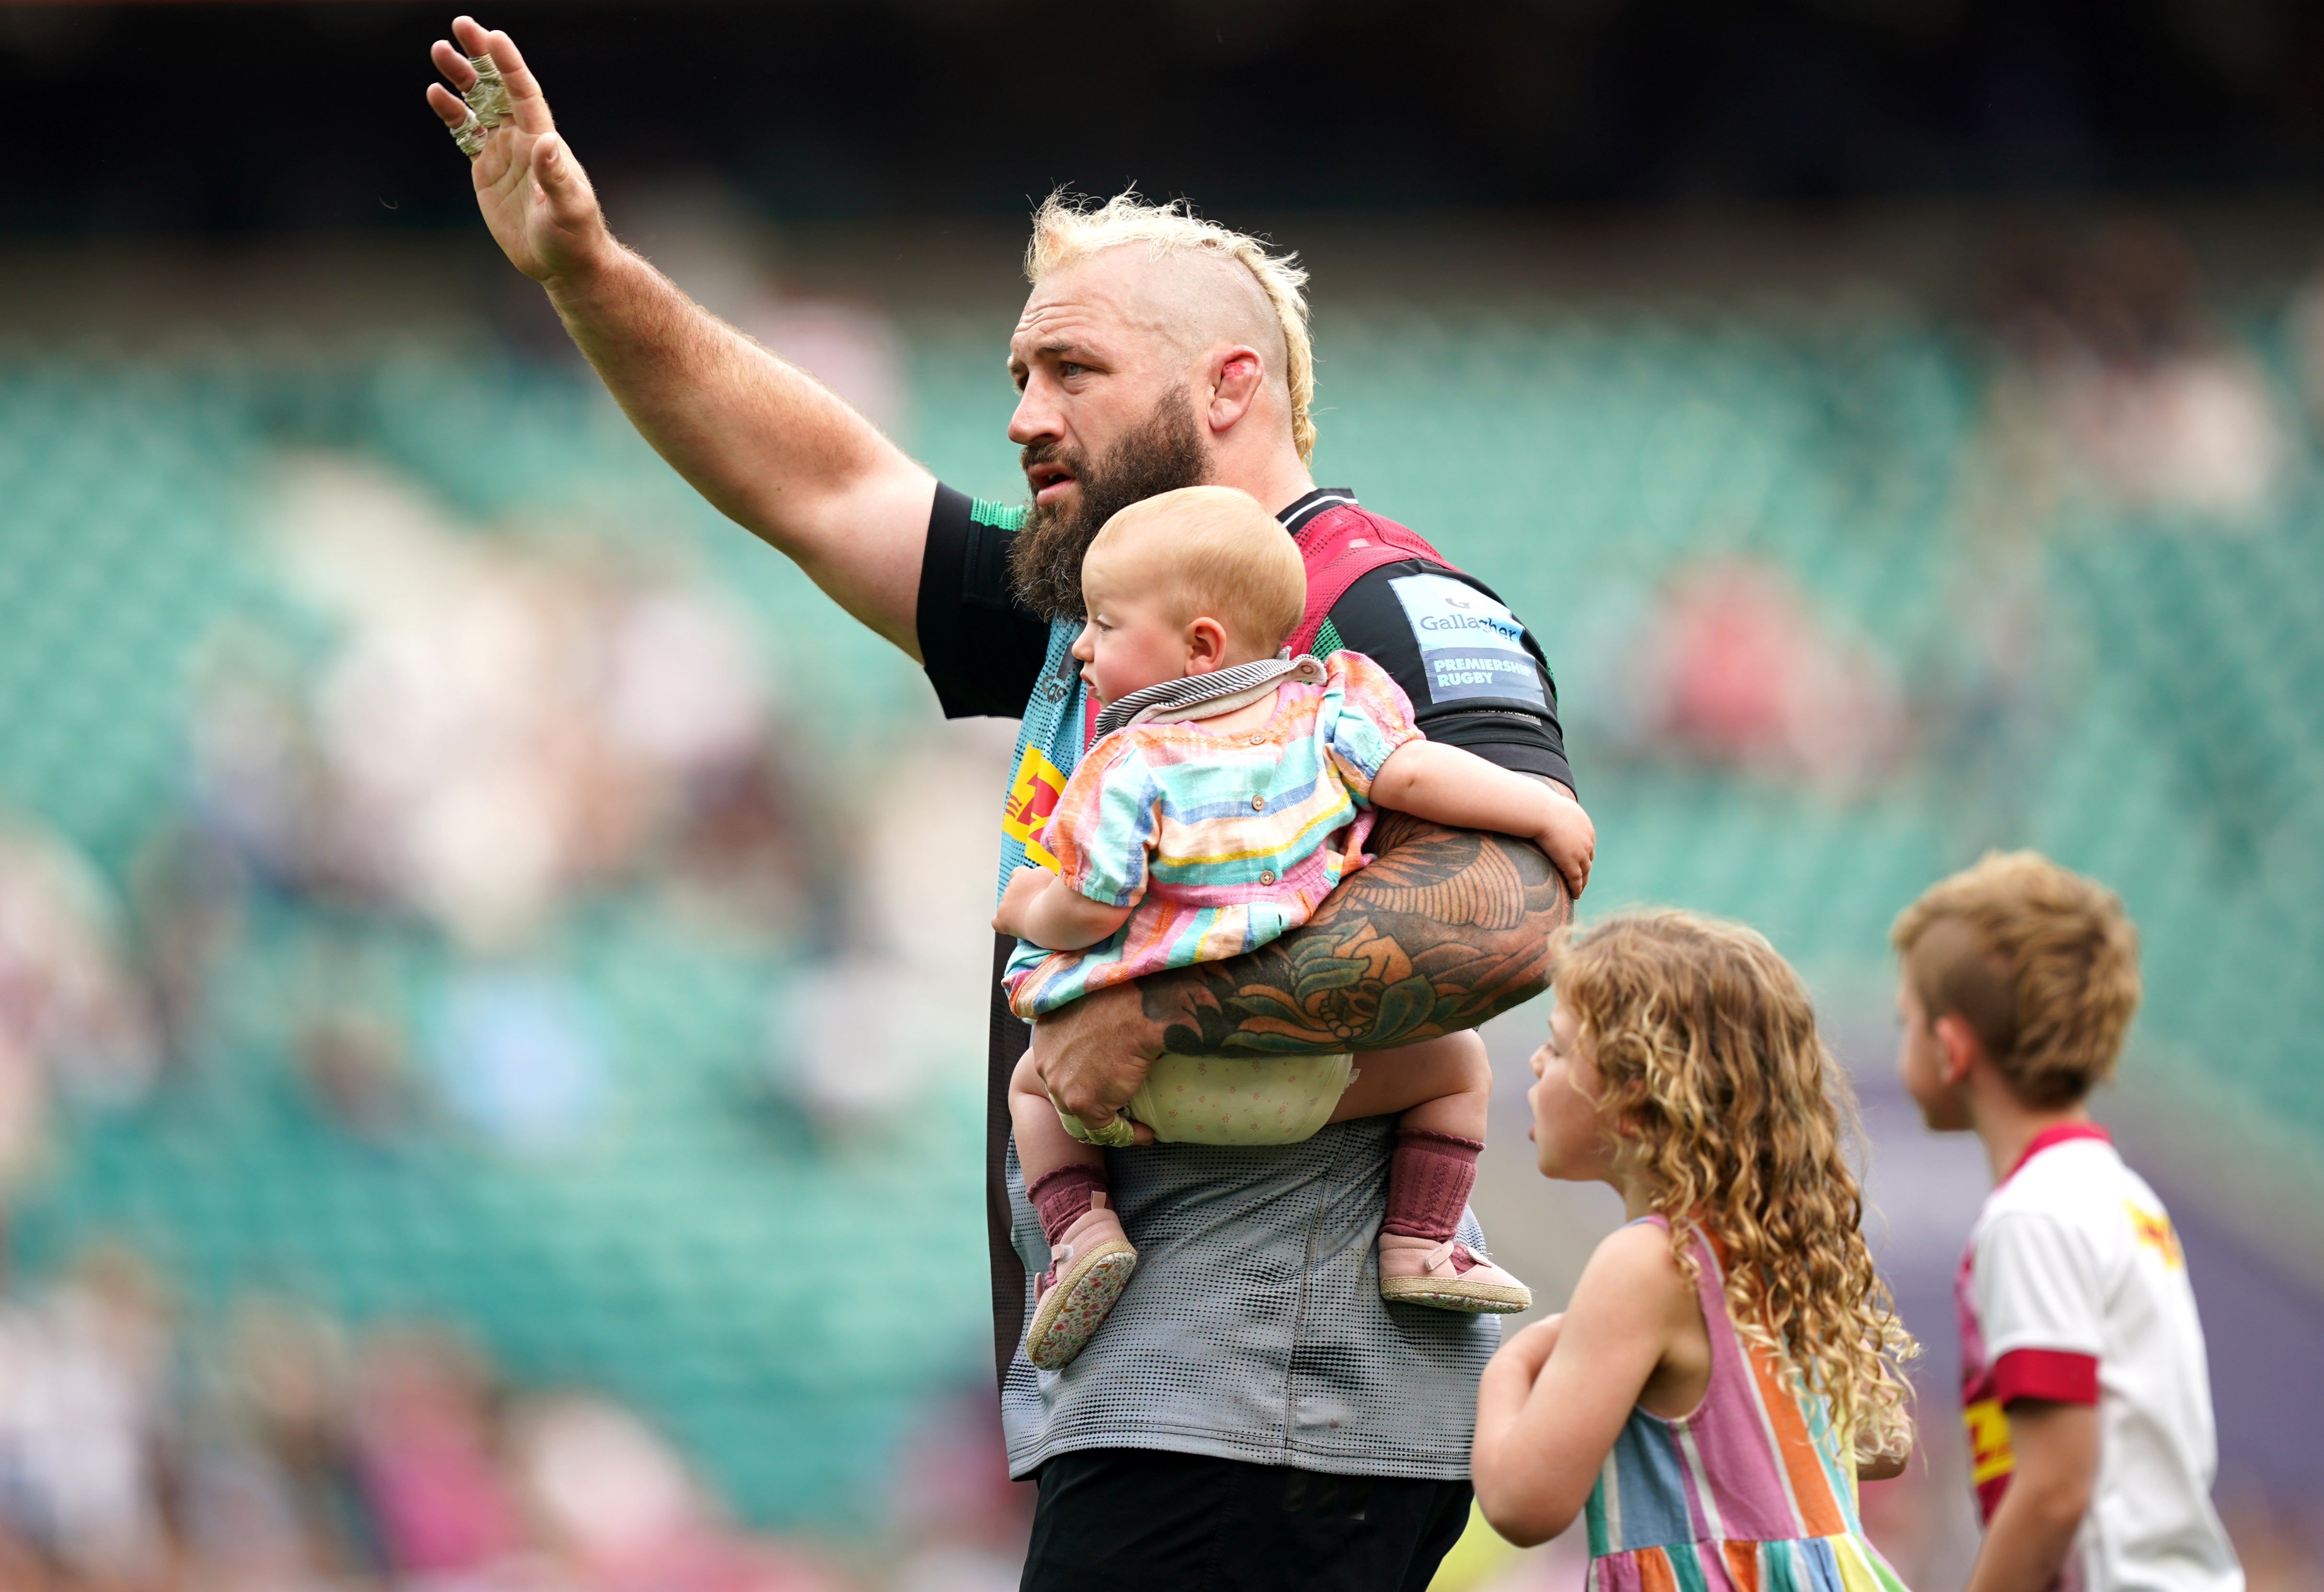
(1445, 929)
(768, 445)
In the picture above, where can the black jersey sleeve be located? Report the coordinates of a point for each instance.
(981, 647)
(1476, 676)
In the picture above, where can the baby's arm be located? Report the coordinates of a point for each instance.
(1555, 1397)
(1460, 790)
(1039, 907)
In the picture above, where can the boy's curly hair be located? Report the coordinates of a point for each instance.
(2040, 962)
(1706, 1042)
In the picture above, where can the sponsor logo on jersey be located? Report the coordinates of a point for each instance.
(1991, 1455)
(1032, 797)
(1469, 645)
(2152, 1229)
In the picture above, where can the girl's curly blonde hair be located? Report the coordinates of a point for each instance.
(1706, 1042)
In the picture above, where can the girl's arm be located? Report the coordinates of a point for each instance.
(1554, 1398)
(1039, 907)
(1460, 790)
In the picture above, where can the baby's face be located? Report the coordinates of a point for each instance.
(1134, 636)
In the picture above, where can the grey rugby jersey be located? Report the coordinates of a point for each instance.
(1253, 1328)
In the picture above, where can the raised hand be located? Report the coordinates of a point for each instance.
(534, 196)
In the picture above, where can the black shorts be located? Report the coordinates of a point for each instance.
(1132, 1520)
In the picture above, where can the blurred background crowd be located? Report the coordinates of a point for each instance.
(480, 937)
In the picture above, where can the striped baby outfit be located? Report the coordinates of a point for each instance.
(1221, 842)
(1751, 1492)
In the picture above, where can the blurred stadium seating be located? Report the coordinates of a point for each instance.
(682, 1252)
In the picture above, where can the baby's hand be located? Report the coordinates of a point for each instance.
(1572, 841)
(1024, 887)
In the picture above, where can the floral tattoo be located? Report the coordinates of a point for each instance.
(1447, 928)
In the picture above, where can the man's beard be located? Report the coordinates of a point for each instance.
(1163, 455)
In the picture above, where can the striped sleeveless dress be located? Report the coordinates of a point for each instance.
(1748, 1494)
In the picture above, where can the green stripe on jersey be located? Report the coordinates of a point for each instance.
(1327, 638)
(1000, 516)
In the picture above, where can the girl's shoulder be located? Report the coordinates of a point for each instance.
(1635, 1263)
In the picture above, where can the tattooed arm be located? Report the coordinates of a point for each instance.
(1447, 928)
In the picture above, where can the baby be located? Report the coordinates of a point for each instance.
(1230, 789)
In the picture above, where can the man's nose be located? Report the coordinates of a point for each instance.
(1036, 419)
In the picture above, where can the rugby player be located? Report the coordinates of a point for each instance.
(1258, 1433)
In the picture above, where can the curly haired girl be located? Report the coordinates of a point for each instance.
(1727, 1368)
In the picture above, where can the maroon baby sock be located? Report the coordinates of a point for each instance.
(1062, 1195)
(1428, 1183)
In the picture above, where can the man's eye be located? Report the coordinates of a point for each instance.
(1070, 369)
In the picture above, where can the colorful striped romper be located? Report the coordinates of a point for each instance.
(1750, 1492)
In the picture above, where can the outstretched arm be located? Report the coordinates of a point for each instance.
(768, 444)
(1444, 930)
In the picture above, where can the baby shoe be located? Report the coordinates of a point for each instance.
(1088, 1265)
(1447, 1275)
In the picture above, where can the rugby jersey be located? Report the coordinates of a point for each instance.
(2074, 1290)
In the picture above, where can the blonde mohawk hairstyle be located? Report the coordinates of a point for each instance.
(1707, 1045)
(1069, 226)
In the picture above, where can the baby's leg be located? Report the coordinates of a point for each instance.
(1438, 1086)
(1442, 1089)
(1090, 1257)
(1061, 1173)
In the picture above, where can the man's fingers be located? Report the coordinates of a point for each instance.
(471, 35)
(446, 105)
(454, 65)
(531, 105)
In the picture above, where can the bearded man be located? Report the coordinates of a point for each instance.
(1253, 1413)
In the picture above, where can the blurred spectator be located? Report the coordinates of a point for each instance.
(1741, 670)
(2120, 385)
(619, 1511)
(187, 889)
(83, 1418)
(274, 1494)
(424, 1434)
(520, 1054)
(69, 1013)
(498, 726)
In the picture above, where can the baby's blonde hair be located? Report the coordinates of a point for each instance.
(1068, 227)
(2040, 962)
(1214, 551)
(1706, 1042)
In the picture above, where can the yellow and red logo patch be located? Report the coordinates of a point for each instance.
(1990, 1452)
(1032, 797)
(2152, 1229)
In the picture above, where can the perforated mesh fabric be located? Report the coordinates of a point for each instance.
(1254, 1329)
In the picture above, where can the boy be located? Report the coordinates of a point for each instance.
(2083, 1380)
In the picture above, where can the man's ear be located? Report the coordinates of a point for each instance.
(1959, 1049)
(1206, 645)
(1236, 374)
